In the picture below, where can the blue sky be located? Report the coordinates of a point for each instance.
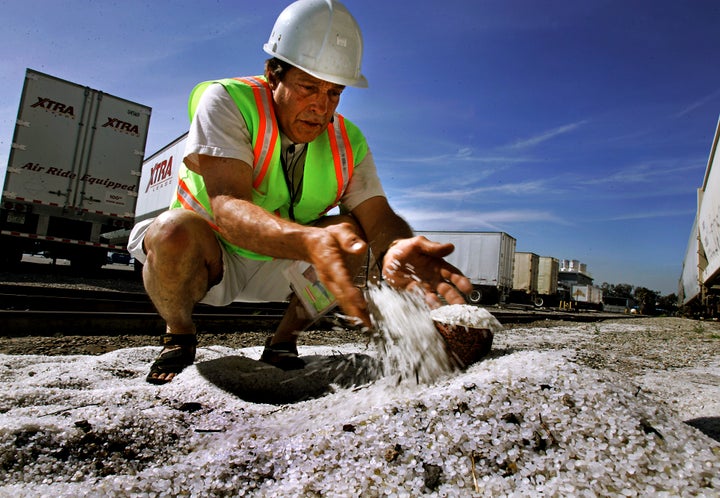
(582, 129)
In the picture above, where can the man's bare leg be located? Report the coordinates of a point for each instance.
(296, 318)
(294, 321)
(183, 261)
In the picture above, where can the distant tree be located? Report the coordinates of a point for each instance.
(667, 304)
(617, 290)
(646, 299)
(649, 301)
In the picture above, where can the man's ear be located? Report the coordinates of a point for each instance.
(272, 80)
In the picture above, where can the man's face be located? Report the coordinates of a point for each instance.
(304, 105)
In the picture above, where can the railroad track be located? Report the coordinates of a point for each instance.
(42, 310)
(34, 310)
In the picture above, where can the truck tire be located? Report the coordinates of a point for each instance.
(10, 256)
(475, 296)
(87, 261)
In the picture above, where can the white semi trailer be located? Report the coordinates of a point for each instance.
(548, 268)
(535, 279)
(159, 179)
(525, 277)
(486, 258)
(72, 177)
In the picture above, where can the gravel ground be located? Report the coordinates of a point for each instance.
(625, 346)
(674, 360)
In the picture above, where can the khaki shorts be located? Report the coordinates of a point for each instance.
(243, 279)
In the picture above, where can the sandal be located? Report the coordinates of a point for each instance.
(283, 355)
(178, 353)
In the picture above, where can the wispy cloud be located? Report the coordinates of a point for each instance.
(520, 188)
(205, 33)
(644, 215)
(547, 135)
(462, 155)
(697, 104)
(426, 219)
(645, 172)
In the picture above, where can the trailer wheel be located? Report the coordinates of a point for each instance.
(475, 296)
(10, 255)
(87, 261)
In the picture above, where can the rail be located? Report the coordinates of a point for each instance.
(42, 310)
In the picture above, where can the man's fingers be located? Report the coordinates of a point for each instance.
(357, 307)
(435, 249)
(455, 276)
(351, 301)
(450, 293)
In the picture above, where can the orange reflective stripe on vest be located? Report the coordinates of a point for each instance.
(267, 133)
(342, 154)
(189, 202)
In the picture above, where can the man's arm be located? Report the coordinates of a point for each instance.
(382, 225)
(410, 261)
(229, 186)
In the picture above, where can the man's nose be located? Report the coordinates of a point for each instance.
(320, 103)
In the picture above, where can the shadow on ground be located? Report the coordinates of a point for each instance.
(259, 382)
(710, 426)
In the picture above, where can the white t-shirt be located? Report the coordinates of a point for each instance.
(218, 129)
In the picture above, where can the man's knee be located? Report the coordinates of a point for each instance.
(178, 230)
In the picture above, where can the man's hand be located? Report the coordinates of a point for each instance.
(333, 249)
(418, 262)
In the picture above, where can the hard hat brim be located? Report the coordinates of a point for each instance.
(359, 82)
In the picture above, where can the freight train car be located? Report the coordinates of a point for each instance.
(699, 285)
(72, 177)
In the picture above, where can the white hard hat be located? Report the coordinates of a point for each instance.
(322, 38)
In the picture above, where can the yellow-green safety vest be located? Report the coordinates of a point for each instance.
(329, 161)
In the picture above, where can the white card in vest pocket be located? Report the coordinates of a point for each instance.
(315, 297)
